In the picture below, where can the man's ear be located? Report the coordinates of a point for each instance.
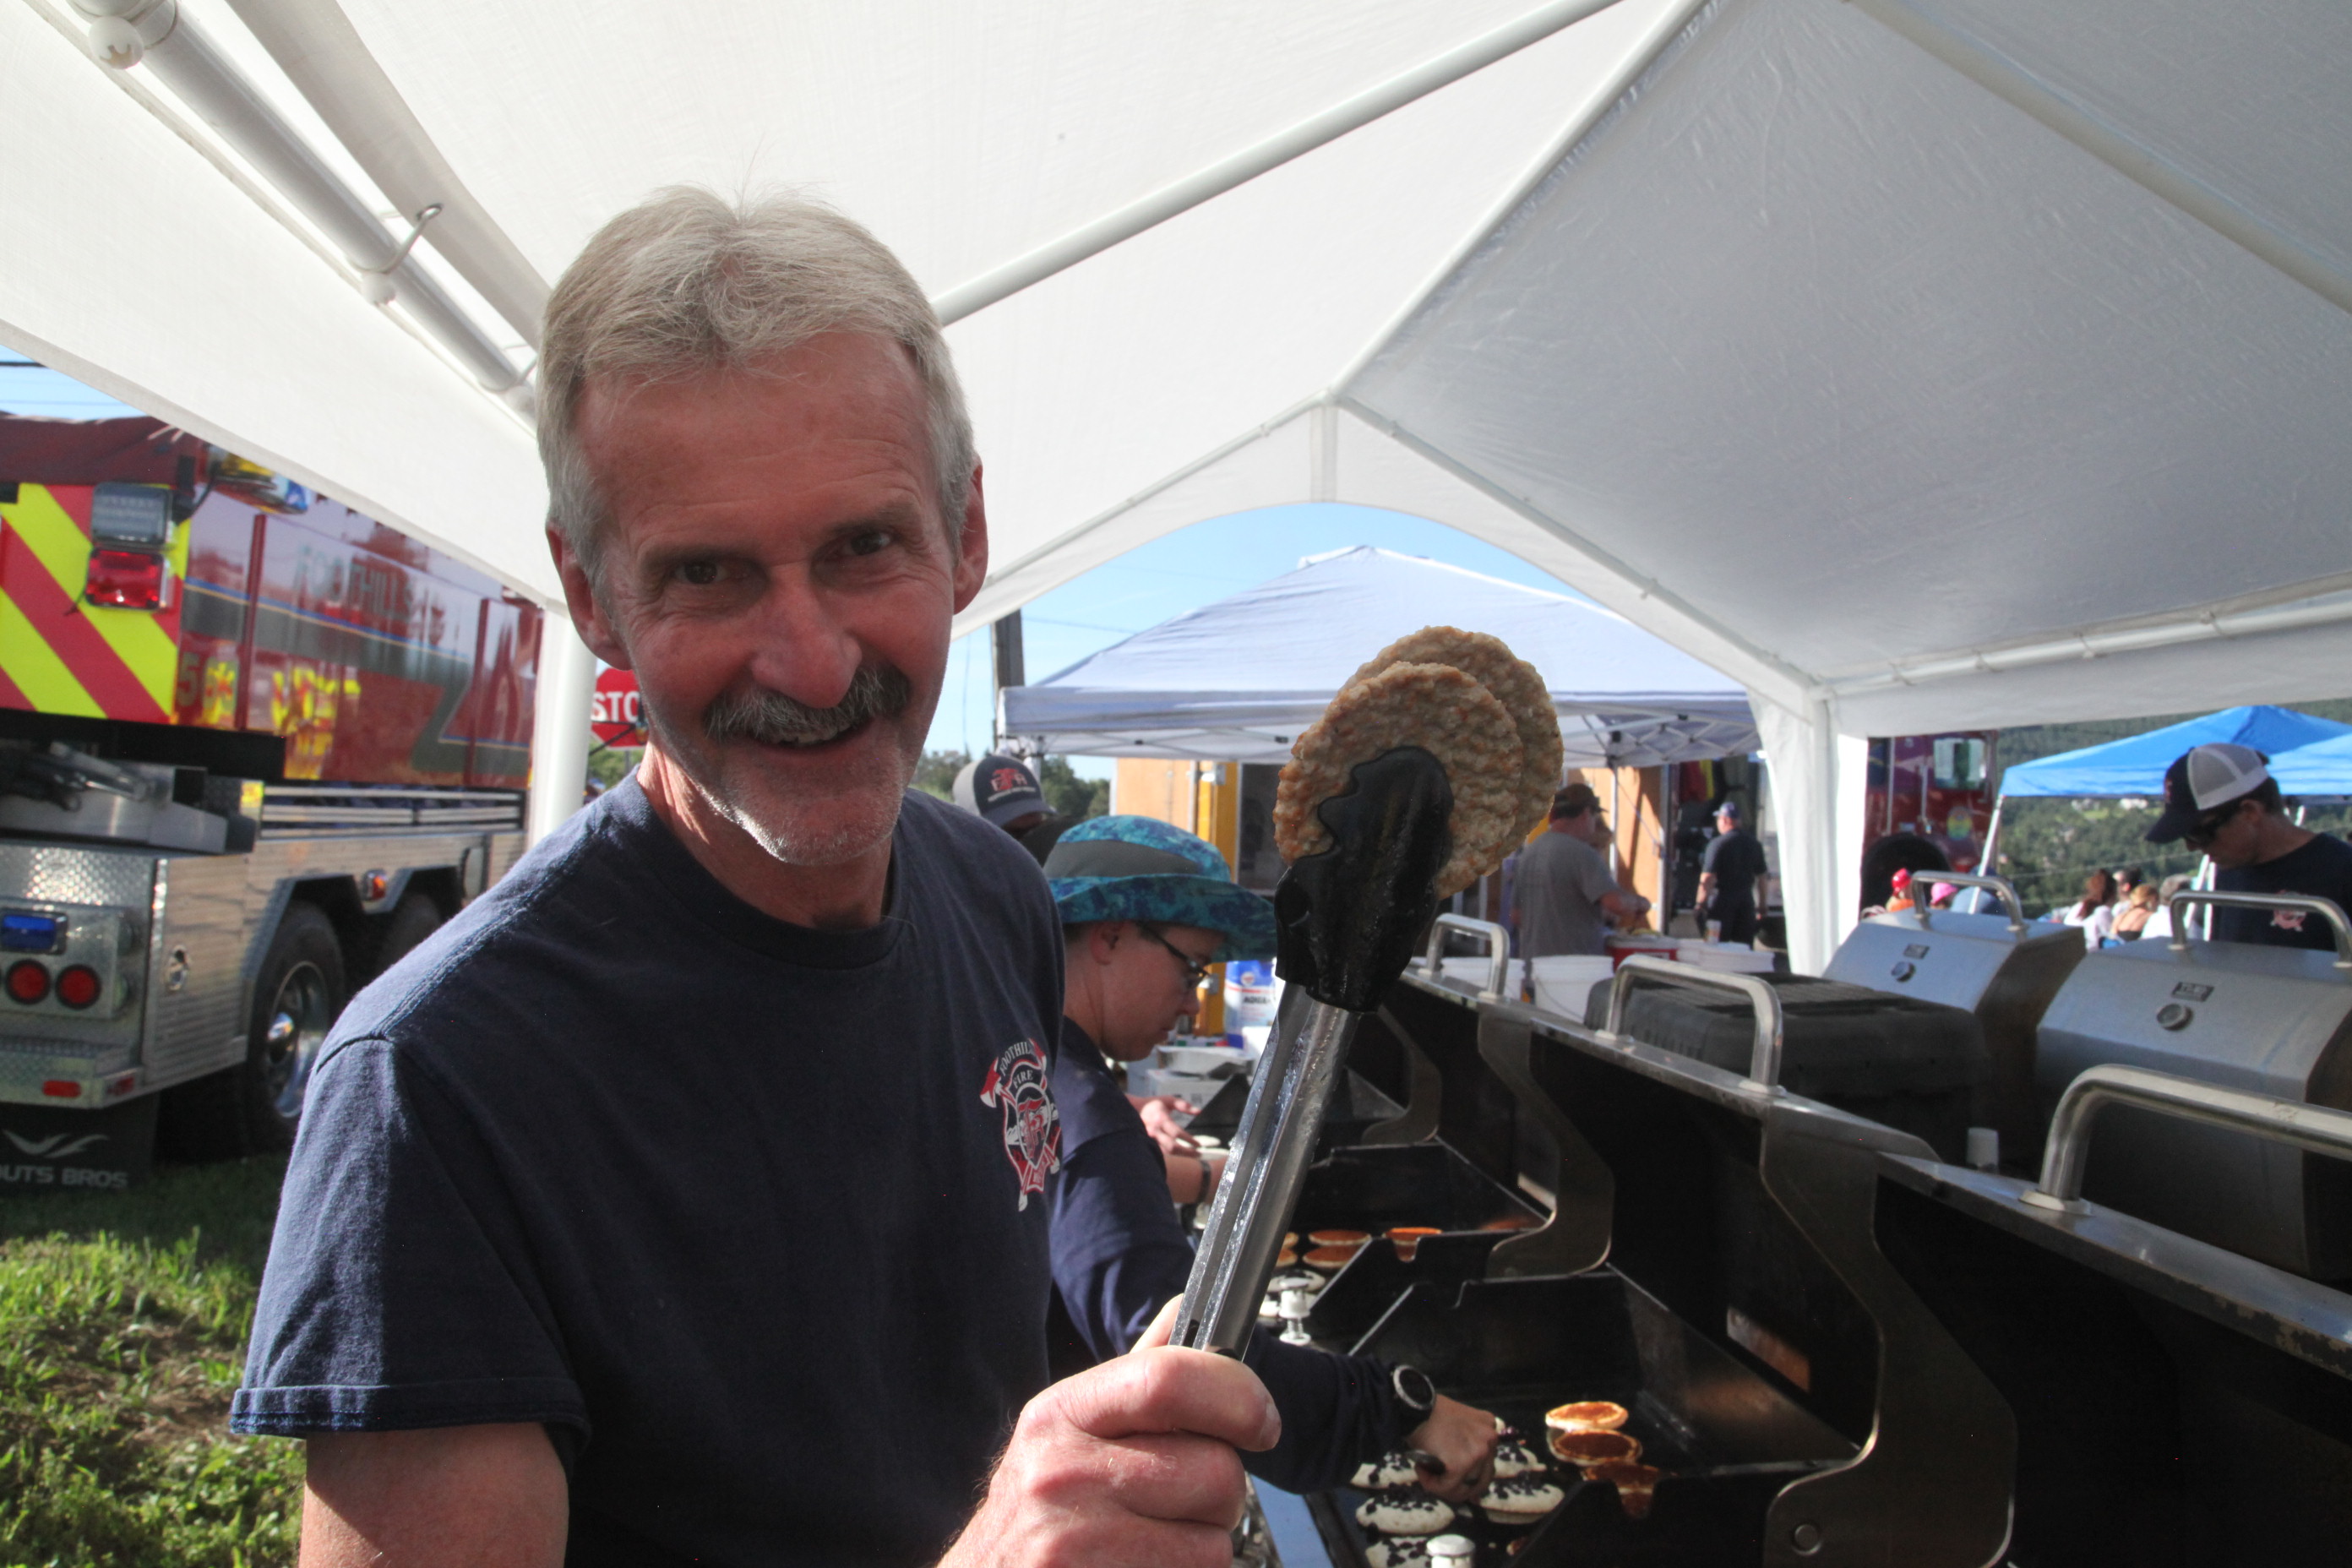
(588, 617)
(972, 541)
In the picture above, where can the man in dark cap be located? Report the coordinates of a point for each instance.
(1003, 790)
(1731, 879)
(2220, 800)
(1563, 892)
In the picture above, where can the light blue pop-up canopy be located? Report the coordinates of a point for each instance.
(1238, 679)
(2135, 765)
(2325, 767)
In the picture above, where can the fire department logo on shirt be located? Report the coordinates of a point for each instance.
(1033, 1127)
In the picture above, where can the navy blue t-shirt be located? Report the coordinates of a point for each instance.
(752, 1216)
(2321, 867)
(1120, 1253)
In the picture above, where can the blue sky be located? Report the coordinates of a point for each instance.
(1180, 572)
(1183, 571)
(32, 389)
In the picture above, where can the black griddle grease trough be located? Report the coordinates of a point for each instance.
(1348, 918)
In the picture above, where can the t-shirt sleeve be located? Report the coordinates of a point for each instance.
(399, 1292)
(1118, 1256)
(1119, 1251)
(1337, 1412)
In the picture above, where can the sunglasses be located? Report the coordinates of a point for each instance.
(2208, 827)
(1195, 971)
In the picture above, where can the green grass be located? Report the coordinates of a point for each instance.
(122, 1326)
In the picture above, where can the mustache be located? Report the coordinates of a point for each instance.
(875, 691)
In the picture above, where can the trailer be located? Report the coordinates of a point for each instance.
(253, 747)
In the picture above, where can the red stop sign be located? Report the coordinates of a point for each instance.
(614, 716)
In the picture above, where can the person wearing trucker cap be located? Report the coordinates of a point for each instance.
(1004, 790)
(1146, 907)
(2220, 800)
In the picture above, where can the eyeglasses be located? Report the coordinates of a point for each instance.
(1195, 971)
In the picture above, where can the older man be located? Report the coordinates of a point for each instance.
(1563, 893)
(683, 1200)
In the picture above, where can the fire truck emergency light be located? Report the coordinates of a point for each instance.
(125, 580)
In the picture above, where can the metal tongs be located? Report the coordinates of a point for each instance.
(1348, 918)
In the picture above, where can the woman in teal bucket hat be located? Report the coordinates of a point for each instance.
(1146, 907)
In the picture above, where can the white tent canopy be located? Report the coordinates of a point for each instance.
(1918, 363)
(1238, 679)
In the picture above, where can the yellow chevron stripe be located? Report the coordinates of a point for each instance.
(34, 666)
(144, 648)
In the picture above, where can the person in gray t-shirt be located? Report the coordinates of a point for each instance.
(1562, 892)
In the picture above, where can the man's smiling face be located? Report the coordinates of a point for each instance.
(776, 570)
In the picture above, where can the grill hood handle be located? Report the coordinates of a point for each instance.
(2313, 1127)
(1498, 951)
(1763, 1064)
(2325, 909)
(2000, 886)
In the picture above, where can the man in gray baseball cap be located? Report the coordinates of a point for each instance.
(2220, 799)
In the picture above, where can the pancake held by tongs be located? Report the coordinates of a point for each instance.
(1413, 784)
(1465, 699)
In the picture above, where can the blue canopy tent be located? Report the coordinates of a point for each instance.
(2323, 767)
(2136, 765)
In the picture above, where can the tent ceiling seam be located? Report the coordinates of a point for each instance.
(1794, 685)
(2006, 80)
(1182, 195)
(1616, 91)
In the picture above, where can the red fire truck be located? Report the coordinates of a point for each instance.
(253, 746)
(1928, 805)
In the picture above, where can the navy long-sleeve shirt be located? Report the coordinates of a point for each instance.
(1120, 1253)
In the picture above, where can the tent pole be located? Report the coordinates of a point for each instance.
(1271, 153)
(1004, 644)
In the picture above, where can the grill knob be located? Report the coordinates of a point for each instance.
(1905, 969)
(2174, 1015)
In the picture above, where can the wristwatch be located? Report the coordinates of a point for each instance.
(1413, 1389)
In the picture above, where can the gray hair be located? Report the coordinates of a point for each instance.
(688, 281)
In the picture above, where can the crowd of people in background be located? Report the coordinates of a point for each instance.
(2121, 906)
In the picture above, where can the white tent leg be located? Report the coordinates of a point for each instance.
(1817, 781)
(559, 732)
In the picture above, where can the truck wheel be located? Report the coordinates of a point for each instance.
(252, 1107)
(417, 918)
